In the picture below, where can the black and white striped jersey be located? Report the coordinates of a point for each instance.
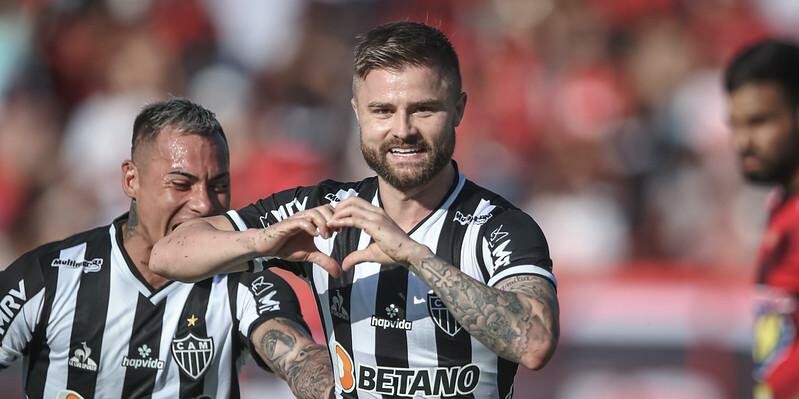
(87, 323)
(389, 333)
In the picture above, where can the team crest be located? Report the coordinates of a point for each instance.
(193, 354)
(441, 316)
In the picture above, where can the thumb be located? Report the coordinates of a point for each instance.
(325, 262)
(360, 256)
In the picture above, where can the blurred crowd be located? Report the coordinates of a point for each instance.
(602, 118)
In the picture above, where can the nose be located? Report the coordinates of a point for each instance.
(403, 125)
(201, 202)
(741, 138)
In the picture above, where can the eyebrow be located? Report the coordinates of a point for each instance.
(193, 177)
(428, 102)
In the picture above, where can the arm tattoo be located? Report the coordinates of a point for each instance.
(519, 315)
(292, 355)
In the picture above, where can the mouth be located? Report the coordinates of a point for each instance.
(406, 152)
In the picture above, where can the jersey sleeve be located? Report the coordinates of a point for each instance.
(21, 299)
(271, 210)
(513, 244)
(261, 297)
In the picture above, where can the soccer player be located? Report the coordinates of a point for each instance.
(762, 85)
(92, 320)
(444, 286)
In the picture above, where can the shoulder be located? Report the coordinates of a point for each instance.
(48, 258)
(491, 209)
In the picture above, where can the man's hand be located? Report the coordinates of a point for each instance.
(391, 244)
(293, 238)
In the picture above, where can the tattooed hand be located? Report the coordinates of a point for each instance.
(293, 355)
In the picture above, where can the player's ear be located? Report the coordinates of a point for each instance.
(130, 178)
(460, 107)
(354, 107)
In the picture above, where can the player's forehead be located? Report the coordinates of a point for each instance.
(173, 149)
(757, 95)
(405, 81)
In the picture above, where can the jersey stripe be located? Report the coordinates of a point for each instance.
(391, 344)
(341, 291)
(453, 344)
(144, 345)
(217, 325)
(39, 360)
(59, 327)
(194, 360)
(91, 305)
(239, 341)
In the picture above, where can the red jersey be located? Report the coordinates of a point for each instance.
(778, 261)
(776, 349)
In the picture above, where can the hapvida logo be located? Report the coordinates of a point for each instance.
(395, 324)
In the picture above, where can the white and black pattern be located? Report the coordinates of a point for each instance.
(387, 331)
(87, 322)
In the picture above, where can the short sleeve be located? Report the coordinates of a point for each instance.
(21, 299)
(261, 297)
(271, 210)
(513, 244)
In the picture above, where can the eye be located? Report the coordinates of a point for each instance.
(220, 188)
(382, 111)
(424, 111)
(181, 185)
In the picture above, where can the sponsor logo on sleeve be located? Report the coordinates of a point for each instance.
(500, 255)
(88, 266)
(264, 293)
(193, 354)
(258, 286)
(497, 235)
(10, 305)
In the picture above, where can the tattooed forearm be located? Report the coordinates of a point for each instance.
(295, 357)
(518, 319)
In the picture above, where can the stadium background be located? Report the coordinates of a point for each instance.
(603, 118)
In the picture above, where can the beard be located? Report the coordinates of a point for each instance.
(404, 177)
(778, 169)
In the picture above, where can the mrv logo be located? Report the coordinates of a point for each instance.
(285, 210)
(10, 305)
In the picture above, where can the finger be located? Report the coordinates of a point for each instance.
(317, 218)
(294, 226)
(327, 214)
(364, 255)
(325, 262)
(350, 204)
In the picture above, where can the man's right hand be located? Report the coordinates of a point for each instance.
(292, 239)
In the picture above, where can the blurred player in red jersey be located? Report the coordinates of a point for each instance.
(762, 85)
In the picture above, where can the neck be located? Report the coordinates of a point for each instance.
(138, 247)
(408, 207)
